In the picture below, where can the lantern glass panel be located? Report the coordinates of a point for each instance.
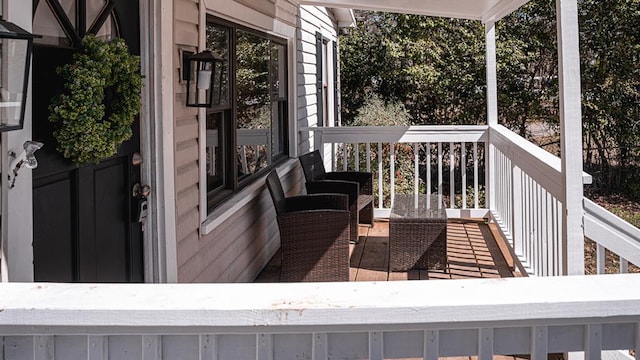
(13, 64)
(204, 75)
(200, 83)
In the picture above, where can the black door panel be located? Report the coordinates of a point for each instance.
(54, 245)
(84, 229)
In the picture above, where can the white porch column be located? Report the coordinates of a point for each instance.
(570, 136)
(17, 212)
(492, 109)
(492, 73)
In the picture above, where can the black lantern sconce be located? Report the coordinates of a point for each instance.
(15, 56)
(201, 72)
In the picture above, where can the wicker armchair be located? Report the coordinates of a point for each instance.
(314, 234)
(358, 185)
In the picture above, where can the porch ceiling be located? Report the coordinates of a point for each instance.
(483, 10)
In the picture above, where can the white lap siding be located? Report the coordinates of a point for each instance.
(245, 235)
(312, 20)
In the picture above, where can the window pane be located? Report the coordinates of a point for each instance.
(215, 151)
(46, 24)
(278, 71)
(254, 104)
(218, 42)
(247, 126)
(278, 141)
(94, 9)
(279, 97)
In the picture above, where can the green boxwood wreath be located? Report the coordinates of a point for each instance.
(101, 98)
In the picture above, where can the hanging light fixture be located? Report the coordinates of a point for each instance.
(201, 72)
(15, 56)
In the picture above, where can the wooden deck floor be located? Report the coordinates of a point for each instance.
(473, 251)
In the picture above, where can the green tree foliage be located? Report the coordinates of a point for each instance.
(527, 62)
(434, 66)
(252, 78)
(610, 60)
(375, 112)
(610, 69)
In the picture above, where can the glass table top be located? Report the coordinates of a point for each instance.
(419, 206)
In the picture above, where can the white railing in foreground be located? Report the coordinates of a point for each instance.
(322, 320)
(439, 155)
(612, 233)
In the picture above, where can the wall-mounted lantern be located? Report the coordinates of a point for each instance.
(15, 56)
(201, 71)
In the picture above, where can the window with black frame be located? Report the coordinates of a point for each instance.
(246, 131)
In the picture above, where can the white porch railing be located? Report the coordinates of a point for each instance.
(446, 160)
(535, 315)
(611, 233)
(523, 183)
(321, 320)
(526, 203)
(526, 196)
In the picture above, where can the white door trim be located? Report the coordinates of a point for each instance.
(157, 139)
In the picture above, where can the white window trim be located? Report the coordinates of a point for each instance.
(329, 82)
(247, 17)
(242, 198)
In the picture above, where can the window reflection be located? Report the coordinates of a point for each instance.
(218, 43)
(278, 71)
(215, 151)
(278, 98)
(254, 103)
(247, 125)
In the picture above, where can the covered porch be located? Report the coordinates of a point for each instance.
(534, 205)
(534, 197)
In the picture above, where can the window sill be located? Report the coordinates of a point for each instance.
(241, 199)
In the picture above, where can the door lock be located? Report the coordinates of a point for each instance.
(140, 194)
(143, 212)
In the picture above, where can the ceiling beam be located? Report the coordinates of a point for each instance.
(502, 9)
(483, 10)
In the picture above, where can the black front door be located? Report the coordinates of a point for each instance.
(85, 226)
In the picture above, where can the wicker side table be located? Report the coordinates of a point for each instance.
(417, 233)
